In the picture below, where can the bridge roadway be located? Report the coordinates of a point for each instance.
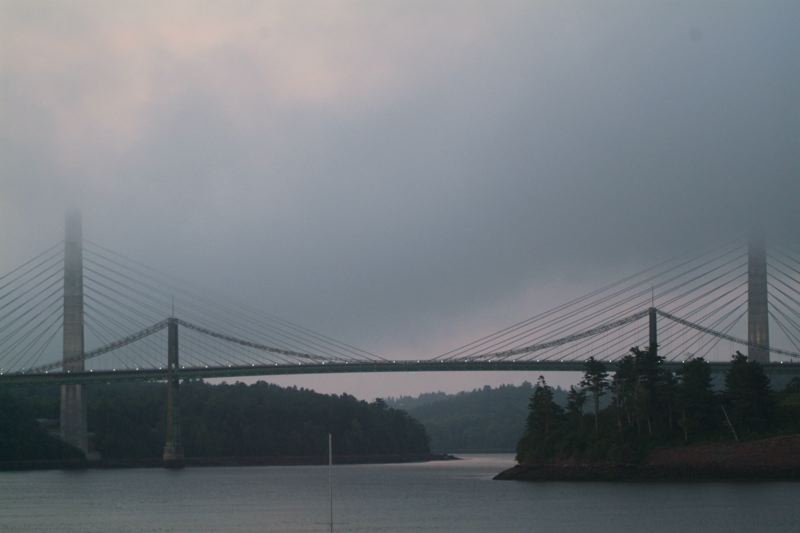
(160, 374)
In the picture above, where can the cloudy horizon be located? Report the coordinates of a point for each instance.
(403, 176)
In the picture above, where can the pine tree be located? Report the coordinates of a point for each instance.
(747, 392)
(595, 380)
(576, 399)
(695, 397)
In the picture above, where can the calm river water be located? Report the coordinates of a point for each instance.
(439, 496)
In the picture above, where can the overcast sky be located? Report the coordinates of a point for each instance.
(404, 176)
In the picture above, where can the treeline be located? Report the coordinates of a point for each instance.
(487, 419)
(239, 420)
(647, 405)
(23, 439)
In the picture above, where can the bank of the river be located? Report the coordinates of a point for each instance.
(776, 458)
(226, 461)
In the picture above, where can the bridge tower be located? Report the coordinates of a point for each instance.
(173, 449)
(73, 401)
(757, 310)
(653, 330)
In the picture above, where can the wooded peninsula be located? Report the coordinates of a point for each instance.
(657, 424)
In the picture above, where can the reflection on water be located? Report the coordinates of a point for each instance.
(438, 496)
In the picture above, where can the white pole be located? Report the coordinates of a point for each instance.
(330, 475)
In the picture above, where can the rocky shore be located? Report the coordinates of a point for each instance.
(776, 458)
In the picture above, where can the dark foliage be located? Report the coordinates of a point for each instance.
(652, 407)
(22, 438)
(127, 421)
(747, 392)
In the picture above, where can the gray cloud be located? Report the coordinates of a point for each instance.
(403, 178)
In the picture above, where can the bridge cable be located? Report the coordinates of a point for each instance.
(20, 357)
(549, 314)
(726, 336)
(29, 261)
(181, 290)
(243, 314)
(597, 313)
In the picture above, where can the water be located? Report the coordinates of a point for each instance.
(439, 496)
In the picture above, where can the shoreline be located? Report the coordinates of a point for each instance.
(648, 473)
(769, 459)
(105, 464)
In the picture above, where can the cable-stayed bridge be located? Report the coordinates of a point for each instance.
(80, 312)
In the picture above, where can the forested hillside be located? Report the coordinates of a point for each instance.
(235, 421)
(21, 438)
(482, 420)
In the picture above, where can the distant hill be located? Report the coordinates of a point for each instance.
(482, 420)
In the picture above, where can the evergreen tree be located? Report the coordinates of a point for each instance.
(543, 419)
(595, 380)
(624, 387)
(576, 399)
(651, 380)
(695, 397)
(747, 392)
(544, 412)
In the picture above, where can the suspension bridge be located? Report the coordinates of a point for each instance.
(80, 312)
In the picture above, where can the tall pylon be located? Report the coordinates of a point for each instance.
(757, 306)
(73, 401)
(173, 449)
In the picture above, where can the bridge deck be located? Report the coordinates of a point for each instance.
(106, 376)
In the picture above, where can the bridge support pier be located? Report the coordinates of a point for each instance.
(173, 448)
(757, 307)
(73, 402)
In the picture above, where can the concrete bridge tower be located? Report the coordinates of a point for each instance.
(73, 401)
(757, 310)
(173, 449)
